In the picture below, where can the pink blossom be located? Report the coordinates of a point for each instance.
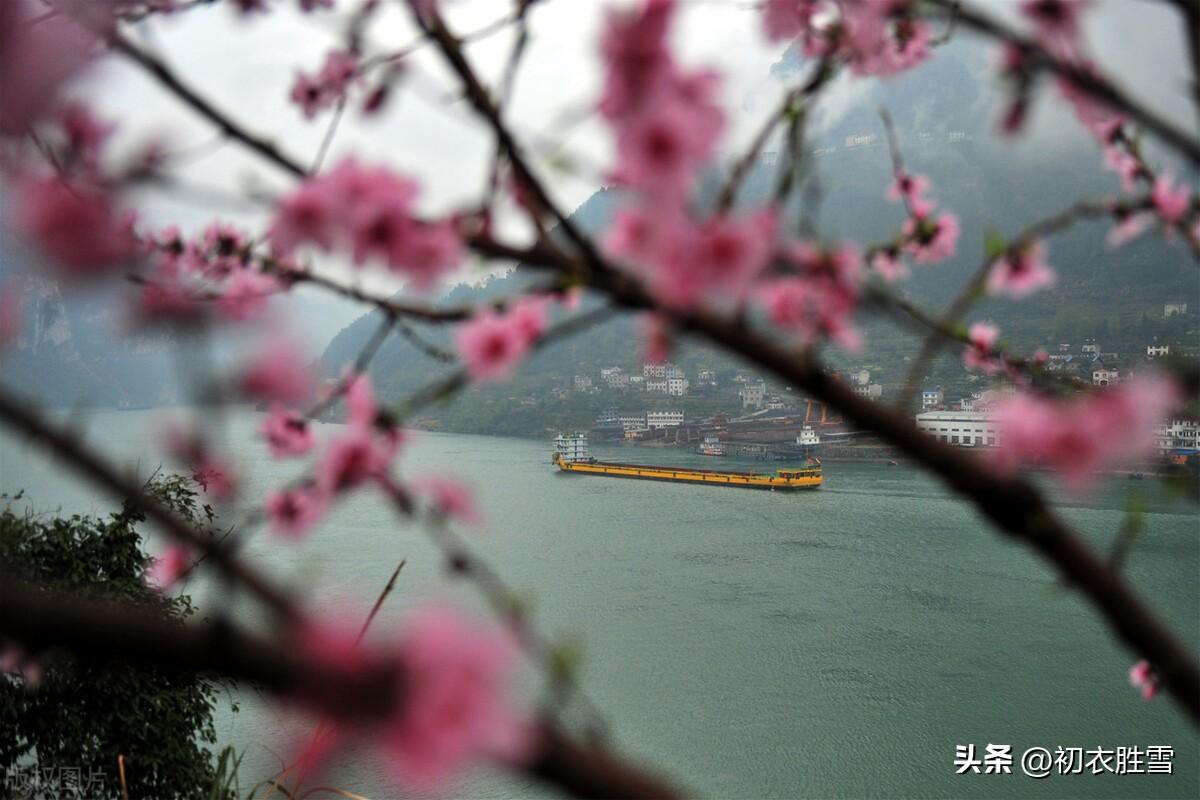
(492, 345)
(287, 433)
(1125, 165)
(911, 190)
(426, 253)
(1129, 226)
(789, 19)
(453, 684)
(1170, 201)
(930, 241)
(167, 297)
(293, 512)
(314, 93)
(277, 374)
(1077, 438)
(166, 570)
(1056, 22)
(76, 226)
(245, 294)
(456, 676)
(214, 476)
(684, 262)
(978, 355)
(85, 134)
(1142, 676)
(638, 65)
(359, 455)
(35, 61)
(361, 406)
(812, 310)
(889, 266)
(819, 302)
(308, 215)
(450, 498)
(877, 49)
(659, 152)
(1021, 272)
(529, 315)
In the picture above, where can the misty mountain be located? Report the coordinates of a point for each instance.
(944, 131)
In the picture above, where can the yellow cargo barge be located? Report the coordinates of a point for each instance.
(571, 456)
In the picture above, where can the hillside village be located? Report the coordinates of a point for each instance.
(645, 402)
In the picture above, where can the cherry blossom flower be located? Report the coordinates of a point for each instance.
(889, 266)
(76, 226)
(214, 476)
(35, 62)
(315, 93)
(492, 344)
(931, 240)
(1125, 165)
(1129, 226)
(910, 189)
(456, 676)
(978, 355)
(361, 406)
(277, 374)
(1021, 272)
(308, 215)
(530, 316)
(1080, 437)
(453, 687)
(1170, 201)
(245, 295)
(819, 302)
(1056, 22)
(354, 458)
(684, 262)
(166, 570)
(293, 512)
(450, 498)
(287, 433)
(790, 19)
(1143, 678)
(370, 211)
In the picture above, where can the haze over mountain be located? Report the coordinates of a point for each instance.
(945, 132)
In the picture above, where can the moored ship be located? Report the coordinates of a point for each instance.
(712, 446)
(571, 455)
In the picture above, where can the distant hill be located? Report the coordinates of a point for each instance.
(942, 132)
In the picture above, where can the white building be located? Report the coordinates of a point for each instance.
(1103, 376)
(1181, 433)
(871, 391)
(614, 377)
(583, 383)
(633, 422)
(1090, 346)
(753, 394)
(1171, 309)
(663, 419)
(657, 385)
(637, 382)
(661, 371)
(1156, 350)
(677, 387)
(962, 428)
(706, 377)
(931, 398)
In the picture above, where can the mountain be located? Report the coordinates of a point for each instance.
(944, 132)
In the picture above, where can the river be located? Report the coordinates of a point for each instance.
(837, 643)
